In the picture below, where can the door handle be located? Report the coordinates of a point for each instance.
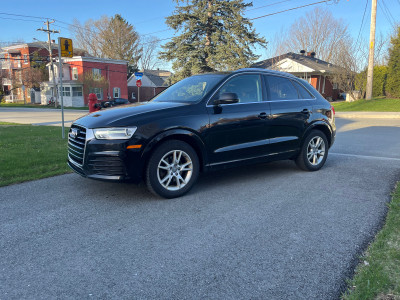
(305, 111)
(263, 115)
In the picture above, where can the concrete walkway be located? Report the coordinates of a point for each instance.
(367, 115)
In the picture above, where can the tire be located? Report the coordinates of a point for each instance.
(172, 169)
(314, 151)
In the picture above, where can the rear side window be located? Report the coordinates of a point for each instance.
(281, 88)
(304, 94)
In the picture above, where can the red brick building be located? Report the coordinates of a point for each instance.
(75, 93)
(316, 71)
(16, 59)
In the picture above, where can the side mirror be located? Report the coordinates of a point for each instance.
(227, 98)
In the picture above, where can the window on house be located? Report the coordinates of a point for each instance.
(66, 91)
(25, 58)
(117, 92)
(335, 86)
(96, 73)
(74, 73)
(76, 91)
(98, 92)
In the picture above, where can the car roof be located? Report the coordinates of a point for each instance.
(247, 70)
(272, 72)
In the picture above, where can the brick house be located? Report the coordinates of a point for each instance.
(153, 83)
(305, 65)
(14, 60)
(74, 91)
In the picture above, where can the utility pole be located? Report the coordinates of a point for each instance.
(47, 23)
(370, 76)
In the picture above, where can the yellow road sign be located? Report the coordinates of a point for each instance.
(66, 47)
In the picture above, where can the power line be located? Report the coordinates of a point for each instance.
(362, 22)
(259, 7)
(282, 11)
(20, 19)
(16, 15)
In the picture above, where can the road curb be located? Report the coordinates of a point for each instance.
(367, 115)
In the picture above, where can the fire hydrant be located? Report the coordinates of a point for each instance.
(94, 104)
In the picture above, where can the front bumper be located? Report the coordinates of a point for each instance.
(108, 160)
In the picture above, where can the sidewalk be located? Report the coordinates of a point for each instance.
(367, 115)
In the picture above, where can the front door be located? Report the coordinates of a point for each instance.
(238, 131)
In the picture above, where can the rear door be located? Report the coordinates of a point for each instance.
(291, 109)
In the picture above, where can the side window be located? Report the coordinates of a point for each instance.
(247, 87)
(281, 88)
(304, 94)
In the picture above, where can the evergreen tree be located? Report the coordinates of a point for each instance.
(393, 82)
(214, 36)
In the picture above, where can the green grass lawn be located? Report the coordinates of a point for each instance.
(38, 106)
(378, 275)
(377, 104)
(31, 152)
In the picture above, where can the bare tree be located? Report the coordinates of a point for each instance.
(108, 37)
(86, 36)
(148, 59)
(318, 31)
(91, 82)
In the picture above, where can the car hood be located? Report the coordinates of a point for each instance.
(122, 115)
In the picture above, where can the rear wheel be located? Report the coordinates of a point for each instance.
(172, 169)
(314, 151)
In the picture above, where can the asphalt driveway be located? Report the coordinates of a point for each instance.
(268, 231)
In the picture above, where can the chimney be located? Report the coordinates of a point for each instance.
(302, 52)
(311, 54)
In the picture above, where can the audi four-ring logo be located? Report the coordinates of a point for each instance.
(73, 133)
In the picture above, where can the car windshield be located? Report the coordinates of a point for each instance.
(191, 89)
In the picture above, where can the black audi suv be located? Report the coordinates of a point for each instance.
(202, 123)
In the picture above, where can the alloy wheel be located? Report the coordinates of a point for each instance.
(316, 150)
(174, 170)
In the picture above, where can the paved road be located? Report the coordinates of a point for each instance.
(39, 116)
(262, 232)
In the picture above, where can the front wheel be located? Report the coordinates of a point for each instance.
(314, 151)
(172, 169)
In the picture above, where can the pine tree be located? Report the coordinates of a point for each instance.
(393, 82)
(214, 36)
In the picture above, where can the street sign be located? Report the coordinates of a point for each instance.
(138, 83)
(66, 47)
(138, 75)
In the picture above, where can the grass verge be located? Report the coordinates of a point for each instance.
(377, 104)
(39, 106)
(378, 276)
(31, 152)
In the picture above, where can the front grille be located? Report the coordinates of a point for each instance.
(107, 165)
(76, 144)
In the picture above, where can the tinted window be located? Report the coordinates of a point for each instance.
(247, 87)
(304, 94)
(281, 88)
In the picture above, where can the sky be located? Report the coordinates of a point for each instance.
(148, 17)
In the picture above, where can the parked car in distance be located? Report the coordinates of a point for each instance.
(115, 102)
(203, 123)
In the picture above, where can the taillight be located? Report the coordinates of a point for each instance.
(333, 109)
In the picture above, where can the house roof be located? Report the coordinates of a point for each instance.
(15, 48)
(313, 63)
(157, 77)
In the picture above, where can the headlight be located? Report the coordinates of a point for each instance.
(114, 133)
